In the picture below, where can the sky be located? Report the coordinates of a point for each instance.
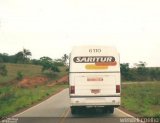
(52, 27)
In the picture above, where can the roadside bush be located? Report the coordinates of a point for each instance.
(58, 63)
(20, 75)
(3, 70)
(67, 69)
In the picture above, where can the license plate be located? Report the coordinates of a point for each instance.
(95, 91)
(94, 79)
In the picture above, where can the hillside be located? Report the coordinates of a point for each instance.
(36, 86)
(27, 70)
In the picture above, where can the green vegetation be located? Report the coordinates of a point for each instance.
(20, 75)
(65, 57)
(3, 70)
(25, 81)
(48, 64)
(20, 57)
(139, 72)
(14, 98)
(27, 70)
(23, 57)
(142, 99)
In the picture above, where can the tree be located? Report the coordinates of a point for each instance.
(4, 57)
(125, 71)
(141, 68)
(1, 57)
(19, 57)
(48, 64)
(58, 62)
(45, 59)
(154, 73)
(142, 73)
(23, 56)
(141, 64)
(65, 57)
(35, 62)
(26, 53)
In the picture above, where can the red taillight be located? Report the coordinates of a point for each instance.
(72, 89)
(118, 89)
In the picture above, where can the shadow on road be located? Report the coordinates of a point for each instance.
(92, 115)
(92, 112)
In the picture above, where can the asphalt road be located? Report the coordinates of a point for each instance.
(56, 110)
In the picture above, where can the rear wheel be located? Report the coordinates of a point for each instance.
(111, 110)
(73, 110)
(108, 110)
(77, 109)
(105, 110)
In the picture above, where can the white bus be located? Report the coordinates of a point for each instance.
(94, 78)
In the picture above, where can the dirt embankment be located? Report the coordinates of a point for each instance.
(34, 81)
(30, 82)
(64, 79)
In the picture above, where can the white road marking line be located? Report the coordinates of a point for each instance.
(64, 115)
(128, 115)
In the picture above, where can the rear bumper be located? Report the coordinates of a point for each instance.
(95, 101)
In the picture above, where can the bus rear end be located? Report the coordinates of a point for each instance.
(94, 78)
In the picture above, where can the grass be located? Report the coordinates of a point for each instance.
(14, 98)
(29, 70)
(142, 99)
(26, 69)
(56, 76)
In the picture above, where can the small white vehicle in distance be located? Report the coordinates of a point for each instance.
(94, 78)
